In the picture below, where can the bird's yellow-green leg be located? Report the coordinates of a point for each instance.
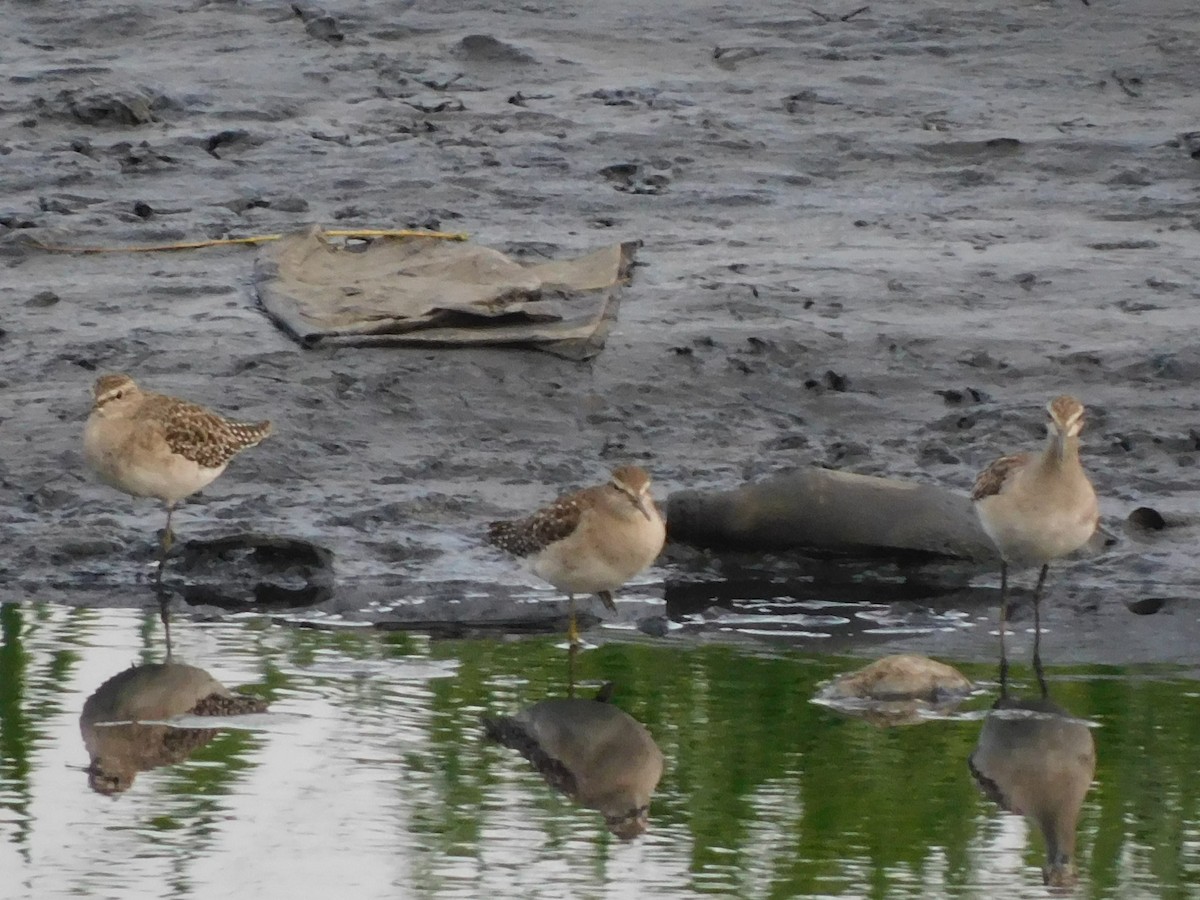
(168, 536)
(168, 539)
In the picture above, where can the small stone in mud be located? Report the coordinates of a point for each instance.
(240, 204)
(839, 453)
(42, 299)
(936, 453)
(1147, 519)
(835, 381)
(85, 548)
(1159, 284)
(622, 172)
(51, 205)
(954, 397)
(1147, 606)
(11, 218)
(1123, 245)
(289, 204)
(104, 106)
(787, 442)
(487, 49)
(319, 23)
(222, 138)
(981, 359)
(655, 626)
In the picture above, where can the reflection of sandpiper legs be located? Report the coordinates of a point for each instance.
(163, 595)
(1037, 620)
(164, 546)
(1038, 670)
(1003, 622)
(1037, 630)
(164, 612)
(166, 620)
(572, 652)
(1003, 665)
(1037, 661)
(1041, 675)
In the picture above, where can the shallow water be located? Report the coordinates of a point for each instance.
(370, 776)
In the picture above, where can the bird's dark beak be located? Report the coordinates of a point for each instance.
(643, 505)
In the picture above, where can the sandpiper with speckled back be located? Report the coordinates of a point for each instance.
(591, 541)
(153, 445)
(1039, 508)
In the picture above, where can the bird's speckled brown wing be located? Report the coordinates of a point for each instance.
(525, 537)
(991, 480)
(200, 435)
(988, 787)
(234, 704)
(513, 733)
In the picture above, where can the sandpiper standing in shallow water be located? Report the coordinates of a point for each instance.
(591, 541)
(1038, 508)
(152, 445)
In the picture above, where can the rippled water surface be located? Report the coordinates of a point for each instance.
(370, 775)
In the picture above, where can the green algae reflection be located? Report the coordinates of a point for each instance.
(765, 794)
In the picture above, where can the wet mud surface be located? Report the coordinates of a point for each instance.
(877, 241)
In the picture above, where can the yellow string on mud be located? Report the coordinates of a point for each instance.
(261, 239)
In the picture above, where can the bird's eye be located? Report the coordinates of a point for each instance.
(118, 395)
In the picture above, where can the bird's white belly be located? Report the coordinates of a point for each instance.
(586, 563)
(1053, 536)
(141, 469)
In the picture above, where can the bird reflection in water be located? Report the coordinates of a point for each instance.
(145, 694)
(590, 750)
(1035, 759)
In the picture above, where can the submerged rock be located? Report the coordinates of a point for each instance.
(901, 677)
(896, 690)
